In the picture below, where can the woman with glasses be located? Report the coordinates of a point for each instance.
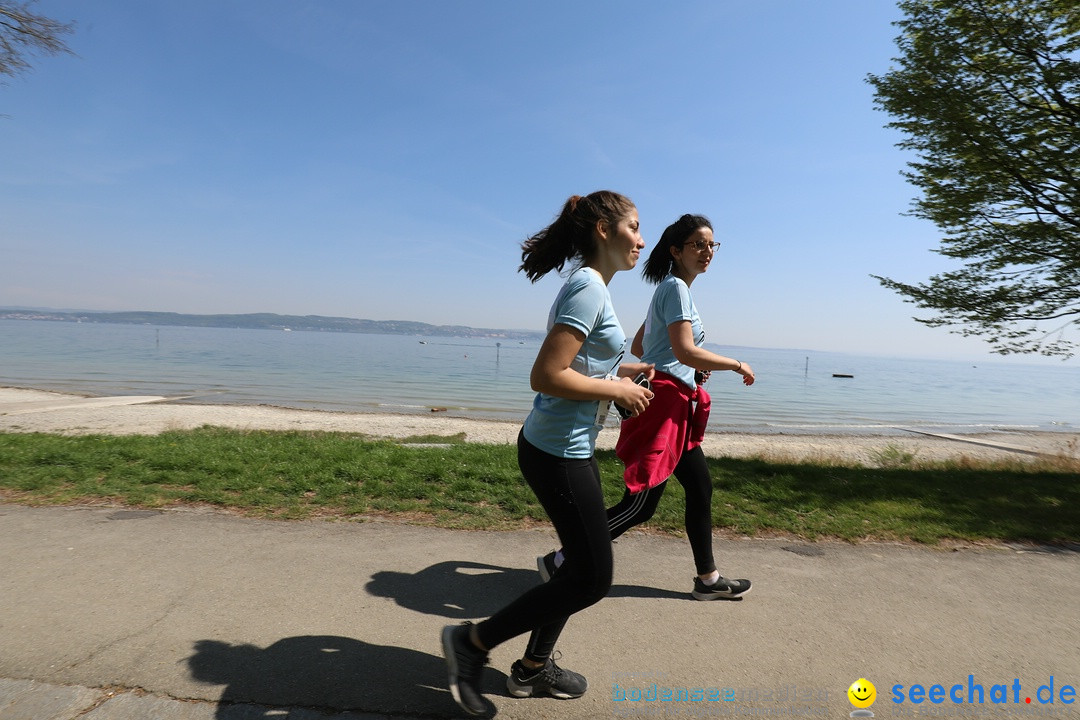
(666, 440)
(577, 373)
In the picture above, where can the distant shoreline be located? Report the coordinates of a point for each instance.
(268, 321)
(27, 410)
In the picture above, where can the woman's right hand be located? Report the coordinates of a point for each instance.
(632, 396)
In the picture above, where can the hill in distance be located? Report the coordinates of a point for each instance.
(266, 321)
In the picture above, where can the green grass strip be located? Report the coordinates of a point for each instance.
(449, 483)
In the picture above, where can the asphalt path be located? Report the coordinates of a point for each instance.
(111, 613)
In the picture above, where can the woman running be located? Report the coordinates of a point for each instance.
(578, 372)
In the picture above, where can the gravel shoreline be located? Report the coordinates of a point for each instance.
(24, 410)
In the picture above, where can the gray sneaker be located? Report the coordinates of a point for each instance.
(722, 589)
(550, 679)
(464, 663)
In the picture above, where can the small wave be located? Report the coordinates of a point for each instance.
(399, 406)
(813, 426)
(825, 428)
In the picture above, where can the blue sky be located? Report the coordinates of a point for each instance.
(384, 160)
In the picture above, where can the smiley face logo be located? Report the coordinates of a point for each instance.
(862, 693)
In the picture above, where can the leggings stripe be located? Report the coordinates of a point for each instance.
(626, 518)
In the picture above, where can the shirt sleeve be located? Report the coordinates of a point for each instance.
(675, 304)
(580, 307)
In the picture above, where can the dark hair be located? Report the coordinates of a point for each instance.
(675, 235)
(571, 234)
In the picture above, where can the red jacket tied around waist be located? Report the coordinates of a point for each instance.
(651, 444)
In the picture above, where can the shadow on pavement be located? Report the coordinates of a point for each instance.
(334, 673)
(328, 673)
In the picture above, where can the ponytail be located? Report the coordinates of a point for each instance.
(571, 234)
(658, 264)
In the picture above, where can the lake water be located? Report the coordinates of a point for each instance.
(795, 391)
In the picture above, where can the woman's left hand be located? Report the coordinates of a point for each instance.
(747, 373)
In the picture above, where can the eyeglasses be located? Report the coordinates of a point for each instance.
(702, 246)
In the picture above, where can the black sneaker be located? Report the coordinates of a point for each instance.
(464, 663)
(722, 589)
(546, 565)
(550, 679)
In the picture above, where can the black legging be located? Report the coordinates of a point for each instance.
(569, 490)
(692, 472)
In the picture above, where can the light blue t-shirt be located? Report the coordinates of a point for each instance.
(568, 428)
(671, 303)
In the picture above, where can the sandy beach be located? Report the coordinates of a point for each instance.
(25, 410)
